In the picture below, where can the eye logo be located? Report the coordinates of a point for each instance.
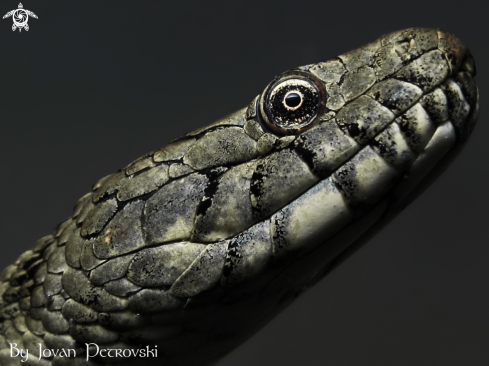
(20, 17)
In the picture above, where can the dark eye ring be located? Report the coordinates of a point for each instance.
(292, 102)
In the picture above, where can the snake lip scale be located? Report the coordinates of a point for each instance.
(192, 248)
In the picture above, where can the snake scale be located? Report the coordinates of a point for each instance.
(190, 249)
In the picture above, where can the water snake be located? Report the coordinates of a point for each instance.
(192, 248)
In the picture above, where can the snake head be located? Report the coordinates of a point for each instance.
(372, 112)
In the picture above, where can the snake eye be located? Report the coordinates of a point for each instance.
(292, 103)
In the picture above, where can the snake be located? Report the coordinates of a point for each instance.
(192, 248)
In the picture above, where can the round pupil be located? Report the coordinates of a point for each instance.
(293, 100)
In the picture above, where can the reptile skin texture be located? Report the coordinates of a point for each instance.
(189, 250)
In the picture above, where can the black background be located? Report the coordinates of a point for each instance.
(93, 85)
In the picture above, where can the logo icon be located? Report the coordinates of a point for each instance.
(20, 17)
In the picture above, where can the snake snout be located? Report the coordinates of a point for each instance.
(459, 87)
(453, 49)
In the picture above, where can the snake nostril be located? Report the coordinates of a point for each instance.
(468, 64)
